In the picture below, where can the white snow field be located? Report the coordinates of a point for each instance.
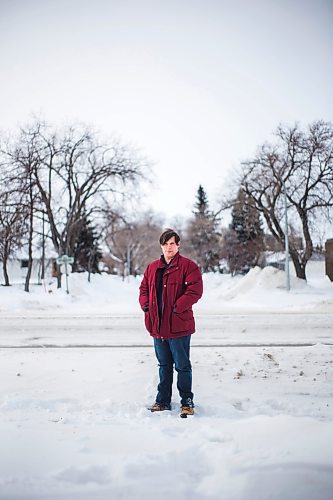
(78, 371)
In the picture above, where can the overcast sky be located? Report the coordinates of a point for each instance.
(196, 85)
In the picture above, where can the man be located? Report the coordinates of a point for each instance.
(169, 288)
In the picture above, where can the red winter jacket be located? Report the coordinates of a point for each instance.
(181, 288)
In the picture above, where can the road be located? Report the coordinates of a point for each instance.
(128, 331)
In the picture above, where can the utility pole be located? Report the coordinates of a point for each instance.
(43, 247)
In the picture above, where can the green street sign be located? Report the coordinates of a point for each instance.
(65, 259)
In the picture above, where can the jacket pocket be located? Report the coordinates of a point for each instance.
(181, 322)
(148, 321)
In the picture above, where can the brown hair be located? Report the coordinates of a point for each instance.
(167, 235)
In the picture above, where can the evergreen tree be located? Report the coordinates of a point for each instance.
(201, 205)
(244, 242)
(87, 253)
(203, 238)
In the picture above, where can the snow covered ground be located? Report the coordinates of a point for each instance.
(77, 372)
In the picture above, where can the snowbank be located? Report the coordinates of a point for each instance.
(265, 290)
(259, 290)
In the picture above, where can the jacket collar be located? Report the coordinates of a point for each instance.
(173, 262)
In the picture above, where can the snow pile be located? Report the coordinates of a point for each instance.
(265, 290)
(103, 294)
(257, 278)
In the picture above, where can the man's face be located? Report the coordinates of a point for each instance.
(169, 249)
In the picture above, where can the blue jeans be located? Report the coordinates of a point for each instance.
(174, 352)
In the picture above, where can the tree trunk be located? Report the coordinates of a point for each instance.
(30, 259)
(31, 230)
(298, 265)
(43, 249)
(5, 272)
(58, 276)
(29, 271)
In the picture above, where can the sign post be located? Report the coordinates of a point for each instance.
(65, 259)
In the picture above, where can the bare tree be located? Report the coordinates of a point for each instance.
(299, 165)
(13, 207)
(12, 228)
(132, 243)
(72, 172)
(24, 160)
